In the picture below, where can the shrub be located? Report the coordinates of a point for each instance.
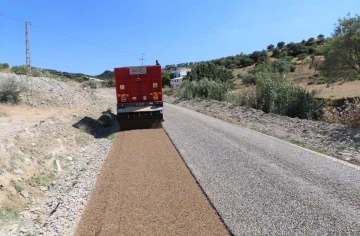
(171, 90)
(92, 84)
(287, 58)
(280, 66)
(292, 68)
(281, 44)
(247, 79)
(205, 88)
(210, 71)
(259, 56)
(4, 66)
(276, 53)
(310, 42)
(108, 83)
(270, 47)
(302, 57)
(247, 98)
(296, 49)
(19, 69)
(166, 77)
(37, 72)
(274, 94)
(263, 67)
(10, 88)
(320, 36)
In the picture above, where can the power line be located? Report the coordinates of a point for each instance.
(70, 36)
(10, 17)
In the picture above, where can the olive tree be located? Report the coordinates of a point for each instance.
(342, 51)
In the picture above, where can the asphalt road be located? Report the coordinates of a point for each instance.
(263, 186)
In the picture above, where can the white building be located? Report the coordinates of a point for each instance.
(178, 75)
(180, 72)
(176, 81)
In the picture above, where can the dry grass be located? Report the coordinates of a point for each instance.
(302, 76)
(337, 90)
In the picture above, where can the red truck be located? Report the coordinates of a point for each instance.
(139, 96)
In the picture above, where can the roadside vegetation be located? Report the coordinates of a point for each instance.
(268, 75)
(273, 92)
(106, 78)
(11, 88)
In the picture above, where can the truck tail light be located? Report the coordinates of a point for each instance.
(159, 103)
(120, 105)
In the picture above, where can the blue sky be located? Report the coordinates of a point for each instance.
(168, 30)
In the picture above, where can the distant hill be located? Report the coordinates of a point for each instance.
(106, 75)
(287, 51)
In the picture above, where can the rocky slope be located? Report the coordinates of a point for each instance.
(49, 164)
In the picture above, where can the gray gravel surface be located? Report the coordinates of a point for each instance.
(263, 186)
(49, 92)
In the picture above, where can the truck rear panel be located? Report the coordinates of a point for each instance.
(139, 93)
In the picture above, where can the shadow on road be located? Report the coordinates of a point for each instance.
(104, 126)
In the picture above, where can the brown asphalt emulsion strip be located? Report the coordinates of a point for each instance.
(145, 188)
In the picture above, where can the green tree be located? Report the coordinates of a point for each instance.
(166, 76)
(310, 42)
(210, 71)
(320, 36)
(342, 51)
(296, 49)
(276, 53)
(270, 47)
(281, 44)
(302, 57)
(259, 56)
(280, 67)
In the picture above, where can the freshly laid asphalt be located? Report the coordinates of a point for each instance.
(263, 186)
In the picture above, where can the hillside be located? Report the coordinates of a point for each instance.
(305, 56)
(309, 79)
(106, 77)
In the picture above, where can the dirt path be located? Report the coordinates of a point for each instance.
(145, 189)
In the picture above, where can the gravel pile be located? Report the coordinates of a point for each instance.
(332, 139)
(65, 205)
(60, 210)
(48, 168)
(49, 92)
(77, 158)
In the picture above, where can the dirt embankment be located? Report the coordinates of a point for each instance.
(51, 149)
(332, 139)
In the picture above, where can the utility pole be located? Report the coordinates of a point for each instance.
(28, 59)
(142, 59)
